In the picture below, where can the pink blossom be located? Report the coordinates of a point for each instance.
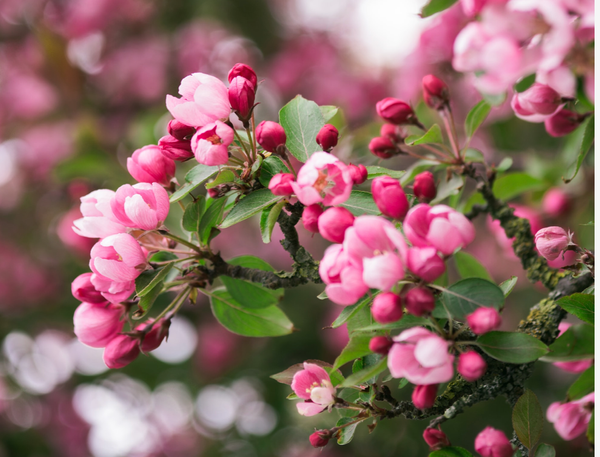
(334, 222)
(96, 324)
(64, 230)
(210, 143)
(556, 202)
(241, 97)
(149, 165)
(118, 257)
(424, 187)
(98, 219)
(425, 263)
(386, 308)
(245, 71)
(113, 291)
(344, 280)
(421, 357)
(435, 438)
(484, 319)
(313, 385)
(395, 111)
(563, 122)
(576, 366)
(270, 135)
(571, 419)
(121, 351)
(389, 197)
(327, 137)
(280, 184)
(155, 336)
(383, 147)
(359, 173)
(493, 443)
(380, 344)
(536, 103)
(310, 217)
(419, 301)
(435, 92)
(204, 99)
(176, 148)
(439, 226)
(320, 438)
(551, 241)
(143, 206)
(471, 366)
(323, 179)
(424, 396)
(83, 289)
(179, 130)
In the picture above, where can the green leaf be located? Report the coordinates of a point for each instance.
(360, 377)
(583, 385)
(211, 217)
(346, 434)
(590, 290)
(147, 301)
(508, 285)
(407, 321)
(528, 419)
(270, 167)
(465, 296)
(586, 144)
(474, 155)
(469, 267)
(192, 215)
(451, 451)
(224, 176)
(403, 383)
(145, 282)
(589, 434)
(418, 167)
(581, 305)
(302, 120)
(251, 204)
(268, 218)
(436, 6)
(193, 179)
(545, 450)
(375, 171)
(162, 256)
(361, 202)
(259, 322)
(448, 188)
(505, 164)
(494, 99)
(476, 117)
(433, 135)
(249, 294)
(525, 83)
(358, 346)
(350, 311)
(512, 347)
(333, 115)
(514, 184)
(577, 343)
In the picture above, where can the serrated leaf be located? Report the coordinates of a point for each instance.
(193, 179)
(512, 347)
(270, 167)
(583, 385)
(268, 219)
(465, 296)
(361, 202)
(146, 281)
(469, 267)
(514, 184)
(577, 343)
(211, 217)
(476, 117)
(586, 144)
(545, 450)
(302, 120)
(358, 346)
(375, 171)
(528, 419)
(581, 305)
(350, 311)
(346, 434)
(251, 204)
(433, 135)
(436, 6)
(270, 321)
(360, 377)
(508, 285)
(192, 215)
(451, 451)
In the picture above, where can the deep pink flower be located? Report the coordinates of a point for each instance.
(320, 438)
(425, 263)
(327, 137)
(310, 217)
(421, 357)
(98, 220)
(344, 280)
(386, 308)
(323, 179)
(571, 419)
(536, 103)
(280, 184)
(210, 143)
(424, 187)
(118, 257)
(435, 92)
(389, 197)
(241, 96)
(435, 439)
(439, 226)
(359, 173)
(563, 122)
(155, 336)
(380, 344)
(395, 111)
(204, 99)
(471, 366)
(493, 443)
(334, 222)
(313, 385)
(419, 301)
(270, 135)
(179, 130)
(551, 241)
(175, 148)
(382, 147)
(424, 396)
(556, 202)
(484, 319)
(121, 351)
(149, 165)
(83, 289)
(143, 206)
(113, 291)
(245, 71)
(97, 324)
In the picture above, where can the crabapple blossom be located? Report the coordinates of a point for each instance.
(471, 366)
(425, 263)
(245, 71)
(210, 143)
(98, 220)
(121, 351)
(83, 289)
(327, 137)
(241, 97)
(358, 173)
(435, 92)
(343, 279)
(310, 217)
(313, 385)
(571, 419)
(118, 257)
(484, 319)
(334, 222)
(421, 357)
(394, 133)
(143, 206)
(563, 122)
(280, 184)
(176, 148)
(424, 187)
(382, 147)
(389, 197)
(113, 291)
(435, 438)
(156, 335)
(386, 308)
(424, 396)
(179, 130)
(395, 111)
(551, 241)
(270, 135)
(419, 301)
(320, 438)
(98, 323)
(536, 103)
(493, 443)
(380, 344)
(149, 165)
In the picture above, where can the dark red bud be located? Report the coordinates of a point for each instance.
(179, 130)
(563, 122)
(394, 132)
(241, 97)
(424, 187)
(320, 438)
(436, 439)
(435, 92)
(327, 137)
(380, 344)
(423, 397)
(270, 135)
(359, 173)
(245, 71)
(395, 111)
(383, 147)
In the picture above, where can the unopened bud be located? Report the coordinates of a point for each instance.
(320, 438)
(423, 397)
(270, 135)
(493, 443)
(389, 197)
(395, 111)
(241, 97)
(424, 187)
(358, 173)
(538, 99)
(218, 191)
(180, 130)
(551, 241)
(155, 336)
(245, 71)
(310, 217)
(563, 122)
(280, 184)
(380, 345)
(121, 351)
(419, 301)
(334, 222)
(435, 92)
(176, 149)
(327, 137)
(484, 319)
(435, 439)
(383, 147)
(471, 366)
(386, 308)
(394, 132)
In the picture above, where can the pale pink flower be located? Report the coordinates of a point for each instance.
(210, 143)
(537, 103)
(484, 319)
(83, 289)
(551, 241)
(98, 220)
(96, 324)
(471, 366)
(571, 419)
(313, 385)
(121, 351)
(425, 263)
(204, 99)
(149, 165)
(323, 179)
(421, 357)
(334, 222)
(143, 206)
(118, 257)
(493, 443)
(344, 280)
(113, 291)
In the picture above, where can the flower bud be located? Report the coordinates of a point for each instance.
(149, 165)
(435, 439)
(419, 301)
(395, 111)
(333, 223)
(382, 147)
(97, 324)
(359, 173)
(155, 336)
(320, 438)
(327, 137)
(380, 345)
(563, 122)
(179, 130)
(389, 197)
(551, 241)
(484, 319)
(83, 289)
(121, 351)
(241, 97)
(219, 191)
(386, 308)
(423, 397)
(435, 92)
(538, 99)
(424, 187)
(425, 263)
(310, 217)
(245, 71)
(176, 149)
(493, 443)
(471, 366)
(556, 202)
(280, 184)
(270, 135)
(393, 132)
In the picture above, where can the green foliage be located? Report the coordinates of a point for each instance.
(581, 305)
(192, 215)
(525, 83)
(149, 279)
(346, 434)
(362, 376)
(508, 285)
(302, 119)
(583, 385)
(577, 343)
(476, 117)
(586, 144)
(375, 171)
(251, 204)
(512, 185)
(211, 217)
(268, 218)
(358, 346)
(464, 297)
(436, 6)
(469, 267)
(433, 135)
(528, 419)
(193, 179)
(512, 347)
(545, 450)
(451, 451)
(249, 294)
(349, 311)
(270, 167)
(361, 202)
(448, 188)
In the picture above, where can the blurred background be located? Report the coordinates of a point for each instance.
(83, 84)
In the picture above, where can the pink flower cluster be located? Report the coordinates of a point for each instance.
(313, 385)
